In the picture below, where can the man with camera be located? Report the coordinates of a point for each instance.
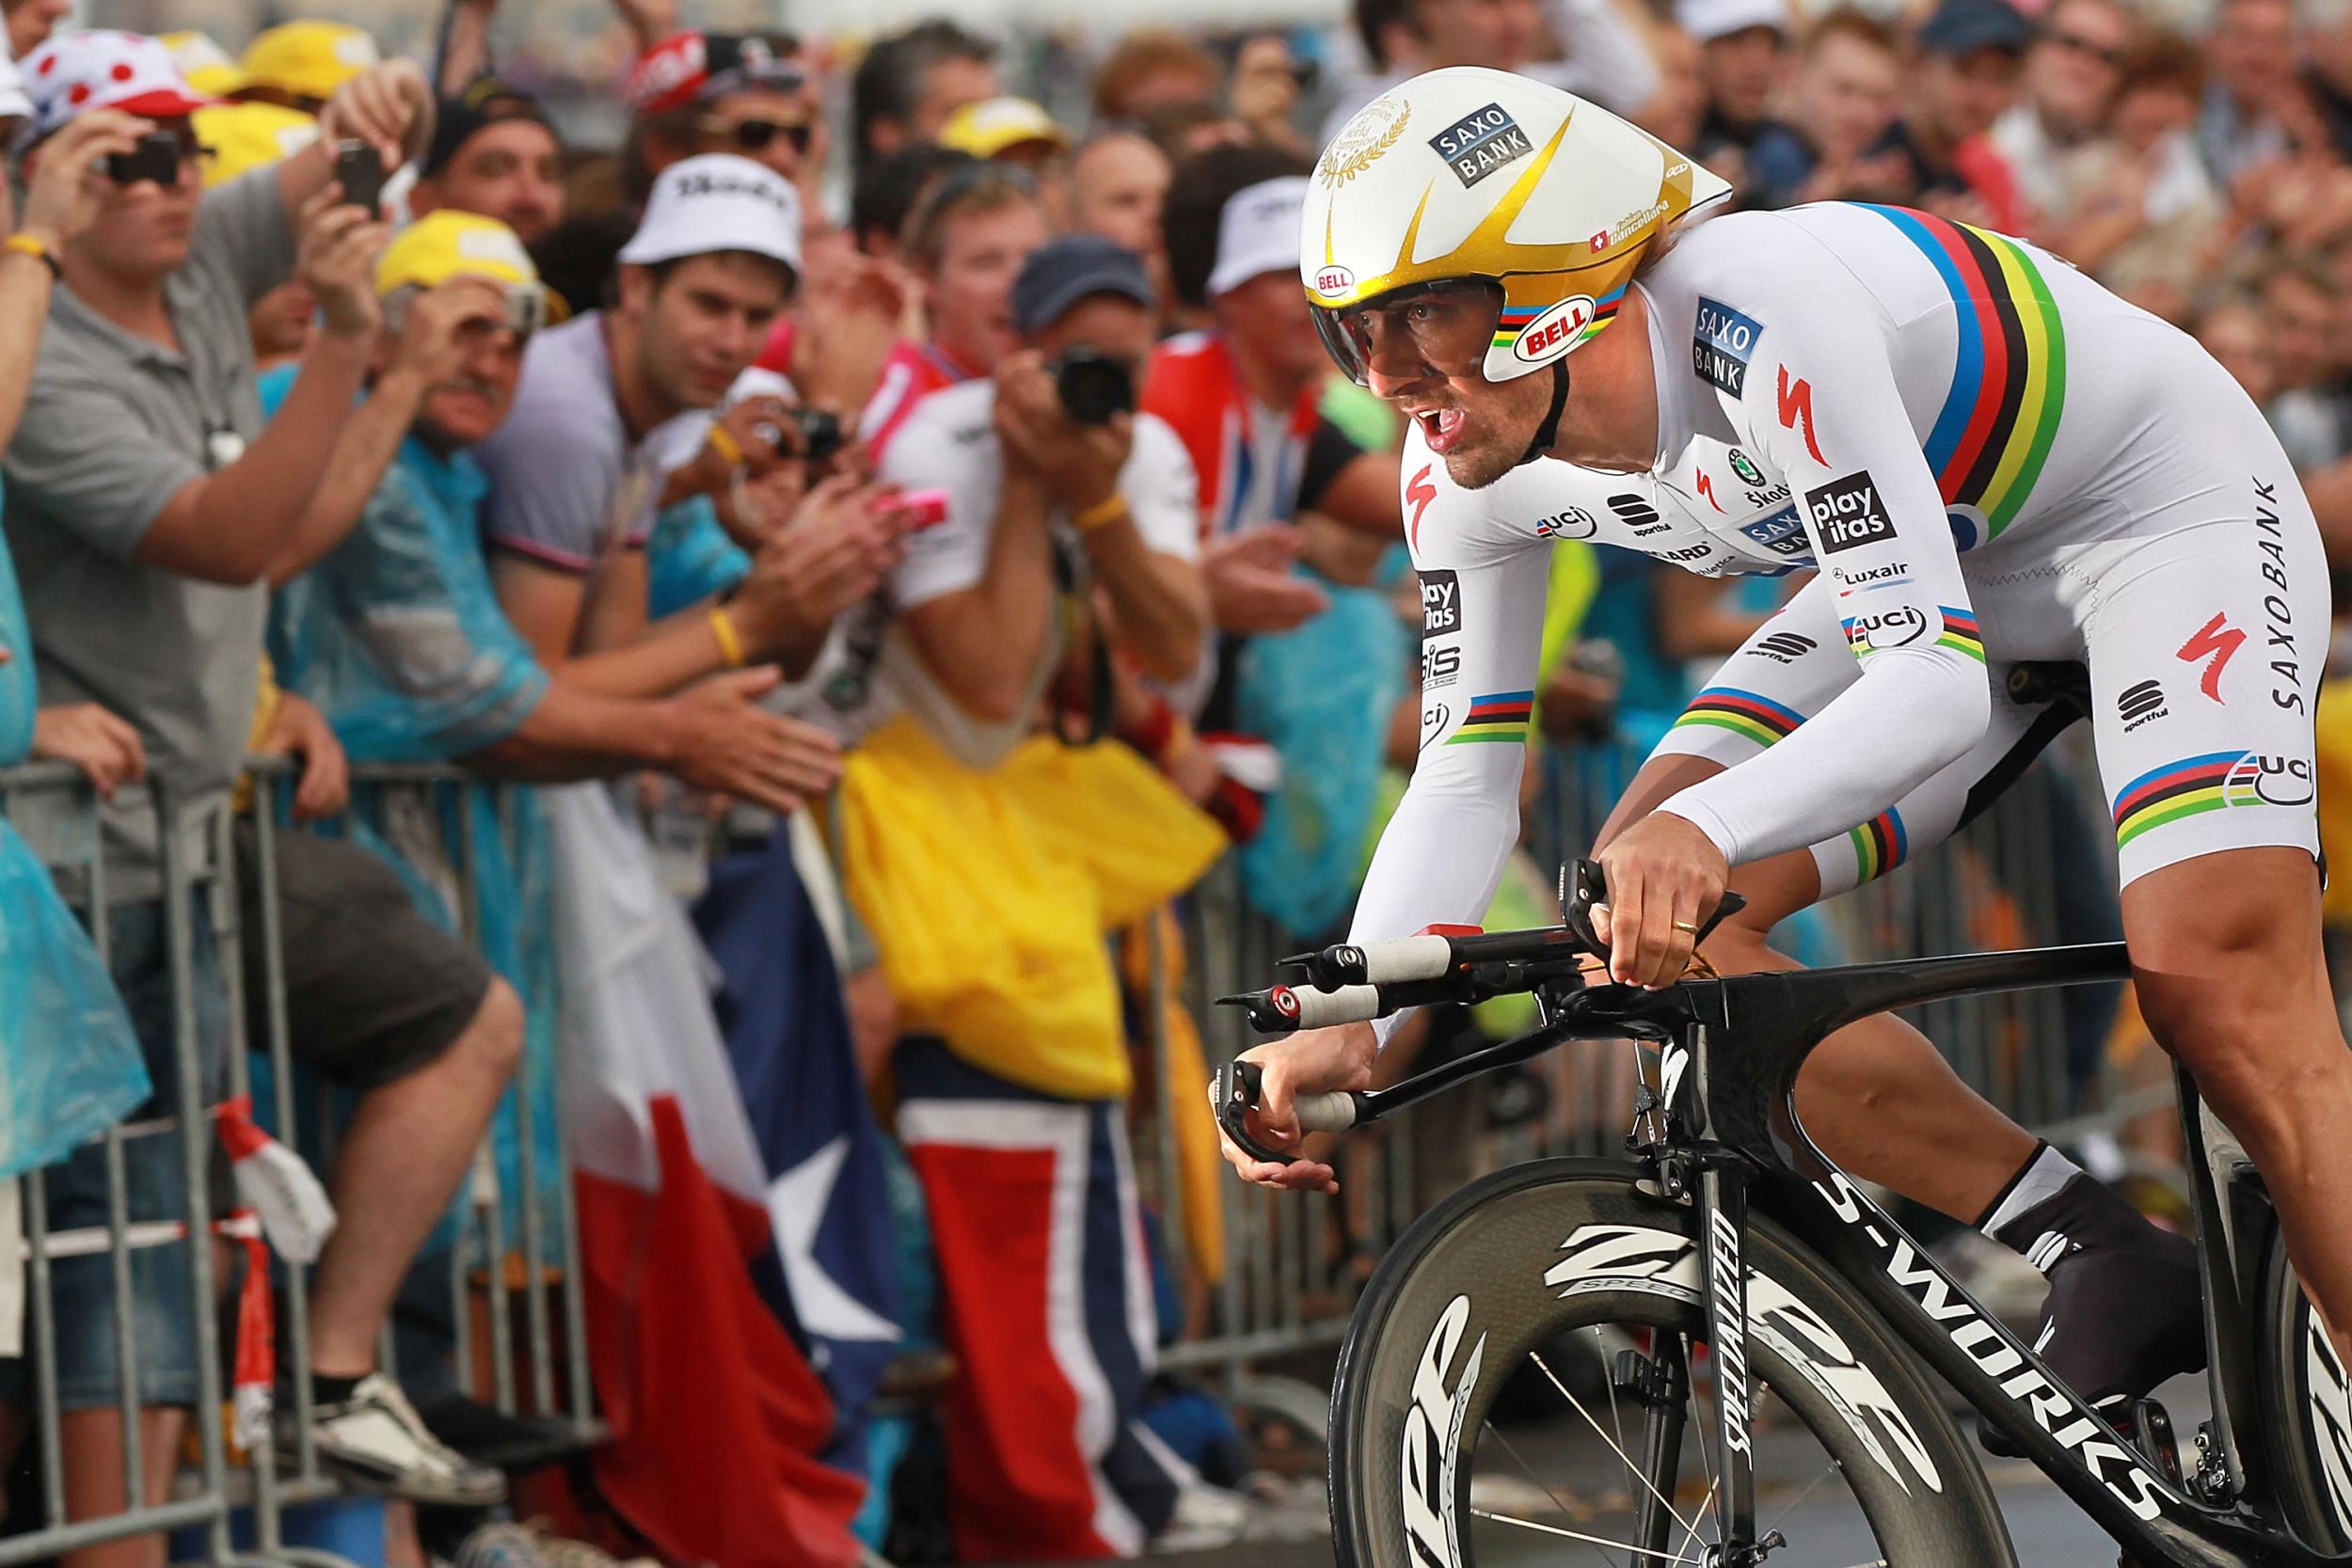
(147, 503)
(1058, 494)
(1049, 446)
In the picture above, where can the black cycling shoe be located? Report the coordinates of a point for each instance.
(2123, 1312)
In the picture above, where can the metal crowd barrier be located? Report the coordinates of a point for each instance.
(2037, 866)
(504, 1250)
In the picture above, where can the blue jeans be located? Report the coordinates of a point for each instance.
(82, 1292)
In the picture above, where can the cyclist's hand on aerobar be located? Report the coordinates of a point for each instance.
(1313, 1061)
(1665, 878)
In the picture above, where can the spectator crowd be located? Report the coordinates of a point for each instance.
(869, 543)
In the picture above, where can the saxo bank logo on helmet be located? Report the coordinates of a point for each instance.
(1473, 175)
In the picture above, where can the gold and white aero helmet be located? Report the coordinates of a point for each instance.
(1494, 218)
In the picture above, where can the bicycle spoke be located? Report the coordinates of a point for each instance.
(1580, 1535)
(1690, 1530)
(1578, 1405)
(1829, 1470)
(1600, 1349)
(1557, 1501)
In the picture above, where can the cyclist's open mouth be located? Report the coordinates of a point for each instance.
(1441, 427)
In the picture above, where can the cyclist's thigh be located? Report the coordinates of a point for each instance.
(2205, 650)
(1791, 667)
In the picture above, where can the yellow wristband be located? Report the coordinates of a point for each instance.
(33, 245)
(722, 441)
(1100, 513)
(730, 641)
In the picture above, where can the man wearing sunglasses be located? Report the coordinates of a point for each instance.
(745, 93)
(1987, 458)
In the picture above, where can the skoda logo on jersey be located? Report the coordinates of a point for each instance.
(2269, 781)
(1895, 628)
(1555, 331)
(1846, 514)
(1334, 281)
(1745, 465)
(1721, 348)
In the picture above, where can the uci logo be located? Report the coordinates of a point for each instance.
(1554, 331)
(1895, 628)
(2271, 781)
(1334, 281)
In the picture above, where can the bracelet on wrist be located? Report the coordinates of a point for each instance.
(1110, 507)
(37, 247)
(722, 440)
(730, 641)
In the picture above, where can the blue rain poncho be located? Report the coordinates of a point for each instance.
(70, 1065)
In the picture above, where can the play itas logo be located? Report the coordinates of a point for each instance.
(1848, 515)
(1480, 143)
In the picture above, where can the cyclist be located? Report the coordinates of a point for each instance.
(1986, 458)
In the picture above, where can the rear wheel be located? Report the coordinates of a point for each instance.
(2307, 1424)
(1566, 1273)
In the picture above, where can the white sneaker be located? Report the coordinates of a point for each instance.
(376, 1440)
(1206, 1517)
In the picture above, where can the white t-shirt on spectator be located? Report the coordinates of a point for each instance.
(949, 443)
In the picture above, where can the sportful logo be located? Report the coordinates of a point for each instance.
(1721, 347)
(1433, 1438)
(1783, 647)
(2054, 1409)
(2138, 705)
(1481, 142)
(1637, 514)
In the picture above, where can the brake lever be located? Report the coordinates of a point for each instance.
(1234, 1093)
(1582, 887)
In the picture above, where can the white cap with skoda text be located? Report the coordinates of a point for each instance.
(718, 201)
(1258, 233)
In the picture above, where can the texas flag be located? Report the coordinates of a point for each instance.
(788, 1033)
(717, 1417)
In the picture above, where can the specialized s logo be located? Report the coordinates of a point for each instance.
(1796, 411)
(1846, 514)
(1707, 488)
(1419, 492)
(2214, 643)
(1441, 604)
(1480, 143)
(1721, 347)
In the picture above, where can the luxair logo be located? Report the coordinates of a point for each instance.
(1555, 331)
(2260, 780)
(1846, 514)
(1331, 282)
(1480, 143)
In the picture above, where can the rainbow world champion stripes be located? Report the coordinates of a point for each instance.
(2008, 369)
(1515, 317)
(1746, 713)
(2178, 789)
(1960, 632)
(1879, 844)
(1498, 717)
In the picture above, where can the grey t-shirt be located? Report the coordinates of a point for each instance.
(115, 426)
(566, 481)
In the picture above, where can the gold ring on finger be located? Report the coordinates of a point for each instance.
(1686, 926)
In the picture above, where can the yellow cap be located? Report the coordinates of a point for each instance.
(998, 125)
(308, 59)
(446, 244)
(244, 136)
(205, 64)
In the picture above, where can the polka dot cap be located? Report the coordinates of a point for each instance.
(104, 69)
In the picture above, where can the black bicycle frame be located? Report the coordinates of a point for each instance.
(1732, 1100)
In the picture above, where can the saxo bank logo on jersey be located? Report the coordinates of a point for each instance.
(1848, 513)
(1722, 347)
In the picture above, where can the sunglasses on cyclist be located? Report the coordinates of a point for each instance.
(1446, 326)
(754, 135)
